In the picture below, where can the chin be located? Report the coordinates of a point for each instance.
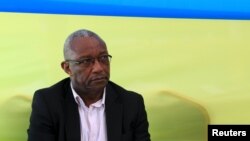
(98, 85)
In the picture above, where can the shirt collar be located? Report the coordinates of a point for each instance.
(79, 100)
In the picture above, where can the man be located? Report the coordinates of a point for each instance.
(87, 106)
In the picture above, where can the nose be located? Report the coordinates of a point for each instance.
(97, 67)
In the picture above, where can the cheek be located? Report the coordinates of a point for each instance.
(106, 68)
(82, 75)
(108, 71)
(77, 73)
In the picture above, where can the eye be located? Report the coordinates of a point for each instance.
(104, 58)
(86, 61)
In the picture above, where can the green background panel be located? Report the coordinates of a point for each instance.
(191, 72)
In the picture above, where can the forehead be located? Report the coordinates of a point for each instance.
(87, 46)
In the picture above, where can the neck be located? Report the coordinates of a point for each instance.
(90, 97)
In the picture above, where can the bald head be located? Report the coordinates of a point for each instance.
(67, 51)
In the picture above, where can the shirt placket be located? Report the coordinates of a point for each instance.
(83, 109)
(92, 127)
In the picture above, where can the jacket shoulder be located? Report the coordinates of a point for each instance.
(124, 93)
(57, 89)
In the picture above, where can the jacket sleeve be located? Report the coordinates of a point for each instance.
(142, 125)
(41, 124)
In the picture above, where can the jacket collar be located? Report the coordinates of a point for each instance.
(114, 112)
(72, 117)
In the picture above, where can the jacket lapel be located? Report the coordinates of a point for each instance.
(72, 117)
(113, 109)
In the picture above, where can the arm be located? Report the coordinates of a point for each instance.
(41, 125)
(141, 130)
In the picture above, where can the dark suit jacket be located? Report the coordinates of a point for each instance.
(55, 116)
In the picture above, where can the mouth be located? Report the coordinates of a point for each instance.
(98, 82)
(101, 78)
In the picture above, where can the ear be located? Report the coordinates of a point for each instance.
(66, 68)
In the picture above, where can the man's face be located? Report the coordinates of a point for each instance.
(93, 77)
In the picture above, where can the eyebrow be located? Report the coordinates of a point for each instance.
(89, 56)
